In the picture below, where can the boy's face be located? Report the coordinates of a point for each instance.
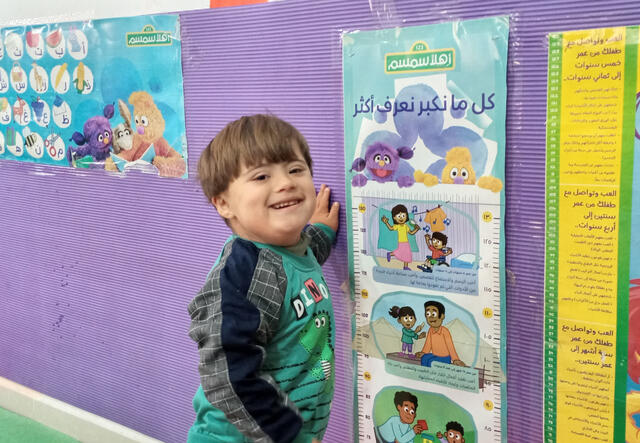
(437, 243)
(269, 203)
(454, 436)
(407, 412)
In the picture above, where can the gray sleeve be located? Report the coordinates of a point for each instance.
(321, 239)
(233, 319)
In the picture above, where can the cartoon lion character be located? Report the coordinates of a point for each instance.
(149, 129)
(459, 171)
(384, 164)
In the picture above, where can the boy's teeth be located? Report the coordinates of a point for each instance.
(285, 204)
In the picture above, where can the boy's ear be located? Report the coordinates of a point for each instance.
(222, 206)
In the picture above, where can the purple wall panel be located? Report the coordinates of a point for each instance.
(97, 270)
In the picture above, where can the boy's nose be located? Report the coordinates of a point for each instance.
(284, 182)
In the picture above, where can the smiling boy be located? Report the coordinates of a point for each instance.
(437, 245)
(263, 321)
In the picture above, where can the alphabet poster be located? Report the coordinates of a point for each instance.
(101, 94)
(592, 272)
(424, 146)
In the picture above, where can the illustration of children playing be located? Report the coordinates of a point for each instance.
(398, 429)
(400, 217)
(407, 318)
(439, 345)
(437, 245)
(454, 433)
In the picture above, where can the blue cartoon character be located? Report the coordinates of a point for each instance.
(95, 142)
(384, 164)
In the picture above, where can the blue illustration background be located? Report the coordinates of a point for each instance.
(480, 47)
(118, 70)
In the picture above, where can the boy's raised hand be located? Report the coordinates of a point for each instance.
(323, 213)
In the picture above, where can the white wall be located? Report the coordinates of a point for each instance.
(47, 11)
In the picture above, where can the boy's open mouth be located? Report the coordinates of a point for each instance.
(286, 204)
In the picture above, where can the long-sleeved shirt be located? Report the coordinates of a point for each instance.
(440, 343)
(265, 331)
(394, 430)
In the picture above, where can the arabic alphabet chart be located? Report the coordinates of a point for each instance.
(591, 384)
(424, 163)
(75, 94)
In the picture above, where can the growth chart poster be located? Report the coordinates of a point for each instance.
(424, 149)
(101, 94)
(592, 272)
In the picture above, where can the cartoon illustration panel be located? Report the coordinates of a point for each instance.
(407, 416)
(103, 94)
(431, 339)
(430, 244)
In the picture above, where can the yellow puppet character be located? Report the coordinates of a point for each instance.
(459, 171)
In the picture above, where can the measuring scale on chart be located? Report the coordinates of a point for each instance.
(484, 307)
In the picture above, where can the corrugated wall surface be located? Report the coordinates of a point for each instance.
(96, 271)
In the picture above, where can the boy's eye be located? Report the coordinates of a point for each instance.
(260, 177)
(296, 170)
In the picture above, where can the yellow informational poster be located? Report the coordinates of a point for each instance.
(591, 132)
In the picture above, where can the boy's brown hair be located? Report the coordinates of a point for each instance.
(250, 141)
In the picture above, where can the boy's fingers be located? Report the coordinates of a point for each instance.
(323, 197)
(335, 208)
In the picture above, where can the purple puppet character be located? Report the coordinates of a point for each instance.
(96, 140)
(384, 164)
